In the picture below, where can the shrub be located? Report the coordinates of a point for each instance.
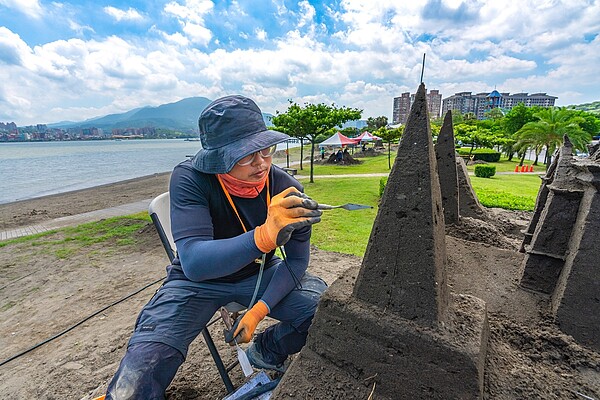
(488, 155)
(382, 183)
(485, 171)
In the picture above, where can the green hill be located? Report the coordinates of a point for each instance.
(181, 115)
(593, 107)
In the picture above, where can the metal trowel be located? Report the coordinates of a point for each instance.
(241, 354)
(347, 206)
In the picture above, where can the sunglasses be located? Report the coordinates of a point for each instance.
(264, 153)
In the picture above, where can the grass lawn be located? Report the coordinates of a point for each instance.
(119, 231)
(340, 230)
(512, 192)
(509, 166)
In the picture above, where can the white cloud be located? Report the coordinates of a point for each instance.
(191, 16)
(307, 14)
(12, 49)
(197, 33)
(176, 37)
(31, 8)
(260, 34)
(119, 15)
(79, 29)
(370, 53)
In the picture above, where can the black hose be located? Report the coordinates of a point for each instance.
(79, 323)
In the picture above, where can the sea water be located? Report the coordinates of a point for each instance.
(35, 169)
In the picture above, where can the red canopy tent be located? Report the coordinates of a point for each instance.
(337, 140)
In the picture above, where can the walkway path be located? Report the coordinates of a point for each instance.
(77, 219)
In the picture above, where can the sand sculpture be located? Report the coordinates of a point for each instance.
(445, 154)
(392, 327)
(562, 247)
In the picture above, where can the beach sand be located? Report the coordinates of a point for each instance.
(49, 284)
(33, 211)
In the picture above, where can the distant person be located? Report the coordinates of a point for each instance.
(339, 157)
(230, 209)
(322, 153)
(364, 146)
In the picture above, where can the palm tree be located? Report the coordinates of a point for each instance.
(548, 131)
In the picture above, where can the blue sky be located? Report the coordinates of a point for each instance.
(74, 60)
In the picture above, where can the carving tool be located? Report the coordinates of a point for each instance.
(241, 354)
(347, 206)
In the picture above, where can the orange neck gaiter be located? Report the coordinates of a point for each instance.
(240, 188)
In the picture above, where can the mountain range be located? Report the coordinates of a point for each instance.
(181, 115)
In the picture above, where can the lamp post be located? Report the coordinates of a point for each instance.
(287, 152)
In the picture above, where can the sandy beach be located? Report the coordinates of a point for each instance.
(32, 211)
(49, 284)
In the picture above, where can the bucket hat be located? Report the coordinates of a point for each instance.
(231, 128)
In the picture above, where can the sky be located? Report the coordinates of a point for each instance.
(74, 60)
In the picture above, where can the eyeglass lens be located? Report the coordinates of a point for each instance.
(264, 153)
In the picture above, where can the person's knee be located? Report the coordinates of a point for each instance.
(145, 372)
(313, 288)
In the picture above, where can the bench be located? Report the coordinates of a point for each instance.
(291, 171)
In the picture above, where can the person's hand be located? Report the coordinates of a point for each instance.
(289, 210)
(244, 328)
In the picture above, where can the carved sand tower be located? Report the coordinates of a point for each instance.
(563, 251)
(445, 154)
(545, 255)
(392, 327)
(458, 197)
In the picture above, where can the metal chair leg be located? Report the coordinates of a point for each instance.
(218, 361)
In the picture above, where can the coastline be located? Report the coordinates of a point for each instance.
(31, 211)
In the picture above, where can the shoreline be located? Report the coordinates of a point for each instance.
(39, 209)
(26, 212)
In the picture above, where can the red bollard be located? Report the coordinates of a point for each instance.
(523, 168)
(517, 168)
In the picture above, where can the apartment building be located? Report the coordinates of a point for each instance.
(480, 103)
(403, 103)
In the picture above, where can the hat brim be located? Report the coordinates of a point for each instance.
(223, 159)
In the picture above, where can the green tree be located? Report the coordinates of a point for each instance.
(494, 114)
(313, 120)
(286, 123)
(350, 132)
(373, 124)
(590, 122)
(550, 127)
(457, 118)
(464, 134)
(514, 120)
(389, 136)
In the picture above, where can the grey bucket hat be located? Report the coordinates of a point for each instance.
(231, 128)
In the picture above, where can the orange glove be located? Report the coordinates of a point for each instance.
(289, 210)
(244, 328)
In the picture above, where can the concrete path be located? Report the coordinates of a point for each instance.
(77, 219)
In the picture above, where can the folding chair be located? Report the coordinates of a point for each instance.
(160, 212)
